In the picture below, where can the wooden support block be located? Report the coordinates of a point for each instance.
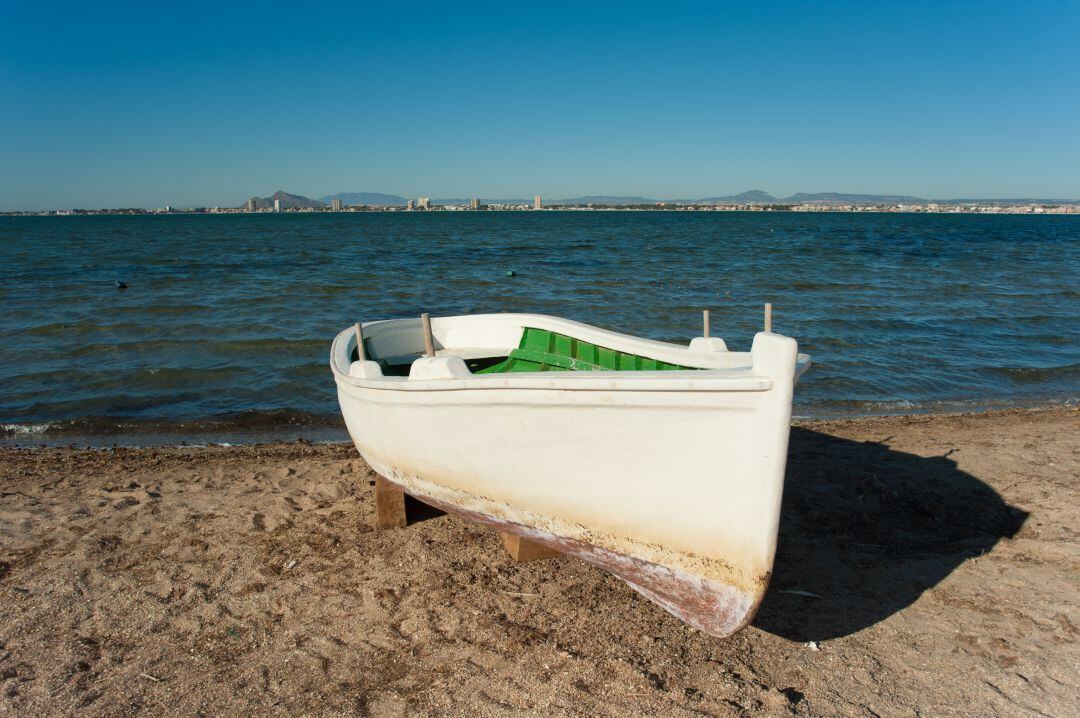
(522, 549)
(389, 505)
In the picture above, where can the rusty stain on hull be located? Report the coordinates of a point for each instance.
(715, 607)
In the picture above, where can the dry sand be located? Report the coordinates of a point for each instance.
(942, 553)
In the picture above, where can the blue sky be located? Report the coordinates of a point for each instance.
(146, 104)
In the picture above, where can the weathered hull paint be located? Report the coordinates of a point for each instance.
(710, 606)
(670, 480)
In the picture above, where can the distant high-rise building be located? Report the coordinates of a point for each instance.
(474, 204)
(168, 209)
(277, 205)
(536, 202)
(335, 204)
(424, 203)
(251, 205)
(409, 205)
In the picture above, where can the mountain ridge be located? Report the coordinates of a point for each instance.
(288, 201)
(366, 198)
(754, 196)
(844, 198)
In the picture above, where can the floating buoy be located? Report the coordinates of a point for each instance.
(120, 285)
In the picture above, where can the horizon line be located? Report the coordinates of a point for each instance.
(764, 198)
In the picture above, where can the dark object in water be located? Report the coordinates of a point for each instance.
(120, 285)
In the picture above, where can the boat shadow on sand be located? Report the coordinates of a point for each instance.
(868, 529)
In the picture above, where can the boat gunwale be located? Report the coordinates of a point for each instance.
(726, 379)
(653, 381)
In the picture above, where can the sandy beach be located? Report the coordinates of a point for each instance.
(928, 565)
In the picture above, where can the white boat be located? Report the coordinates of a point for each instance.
(667, 472)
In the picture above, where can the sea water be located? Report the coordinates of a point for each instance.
(224, 330)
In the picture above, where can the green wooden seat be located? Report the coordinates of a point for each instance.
(543, 350)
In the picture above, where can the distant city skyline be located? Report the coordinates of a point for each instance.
(143, 106)
(750, 201)
(281, 201)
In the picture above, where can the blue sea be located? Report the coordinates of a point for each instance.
(224, 331)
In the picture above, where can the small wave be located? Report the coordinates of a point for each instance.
(246, 421)
(871, 406)
(804, 286)
(842, 408)
(245, 347)
(25, 429)
(1034, 374)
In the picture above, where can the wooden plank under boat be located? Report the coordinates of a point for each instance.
(661, 463)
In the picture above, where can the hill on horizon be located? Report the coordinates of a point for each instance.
(604, 199)
(288, 201)
(366, 198)
(751, 196)
(754, 195)
(842, 198)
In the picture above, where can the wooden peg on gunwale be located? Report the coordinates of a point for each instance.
(429, 339)
(768, 317)
(705, 321)
(361, 355)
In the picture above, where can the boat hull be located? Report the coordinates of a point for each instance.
(670, 480)
(714, 607)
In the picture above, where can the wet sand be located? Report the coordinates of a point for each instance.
(928, 565)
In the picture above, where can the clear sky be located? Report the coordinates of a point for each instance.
(190, 104)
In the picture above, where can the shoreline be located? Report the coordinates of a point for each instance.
(155, 433)
(927, 564)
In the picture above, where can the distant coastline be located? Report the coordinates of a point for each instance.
(751, 201)
(932, 208)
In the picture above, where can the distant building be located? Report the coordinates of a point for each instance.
(474, 203)
(409, 206)
(252, 205)
(335, 204)
(277, 205)
(168, 209)
(536, 202)
(424, 203)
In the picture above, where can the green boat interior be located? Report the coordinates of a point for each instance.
(543, 350)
